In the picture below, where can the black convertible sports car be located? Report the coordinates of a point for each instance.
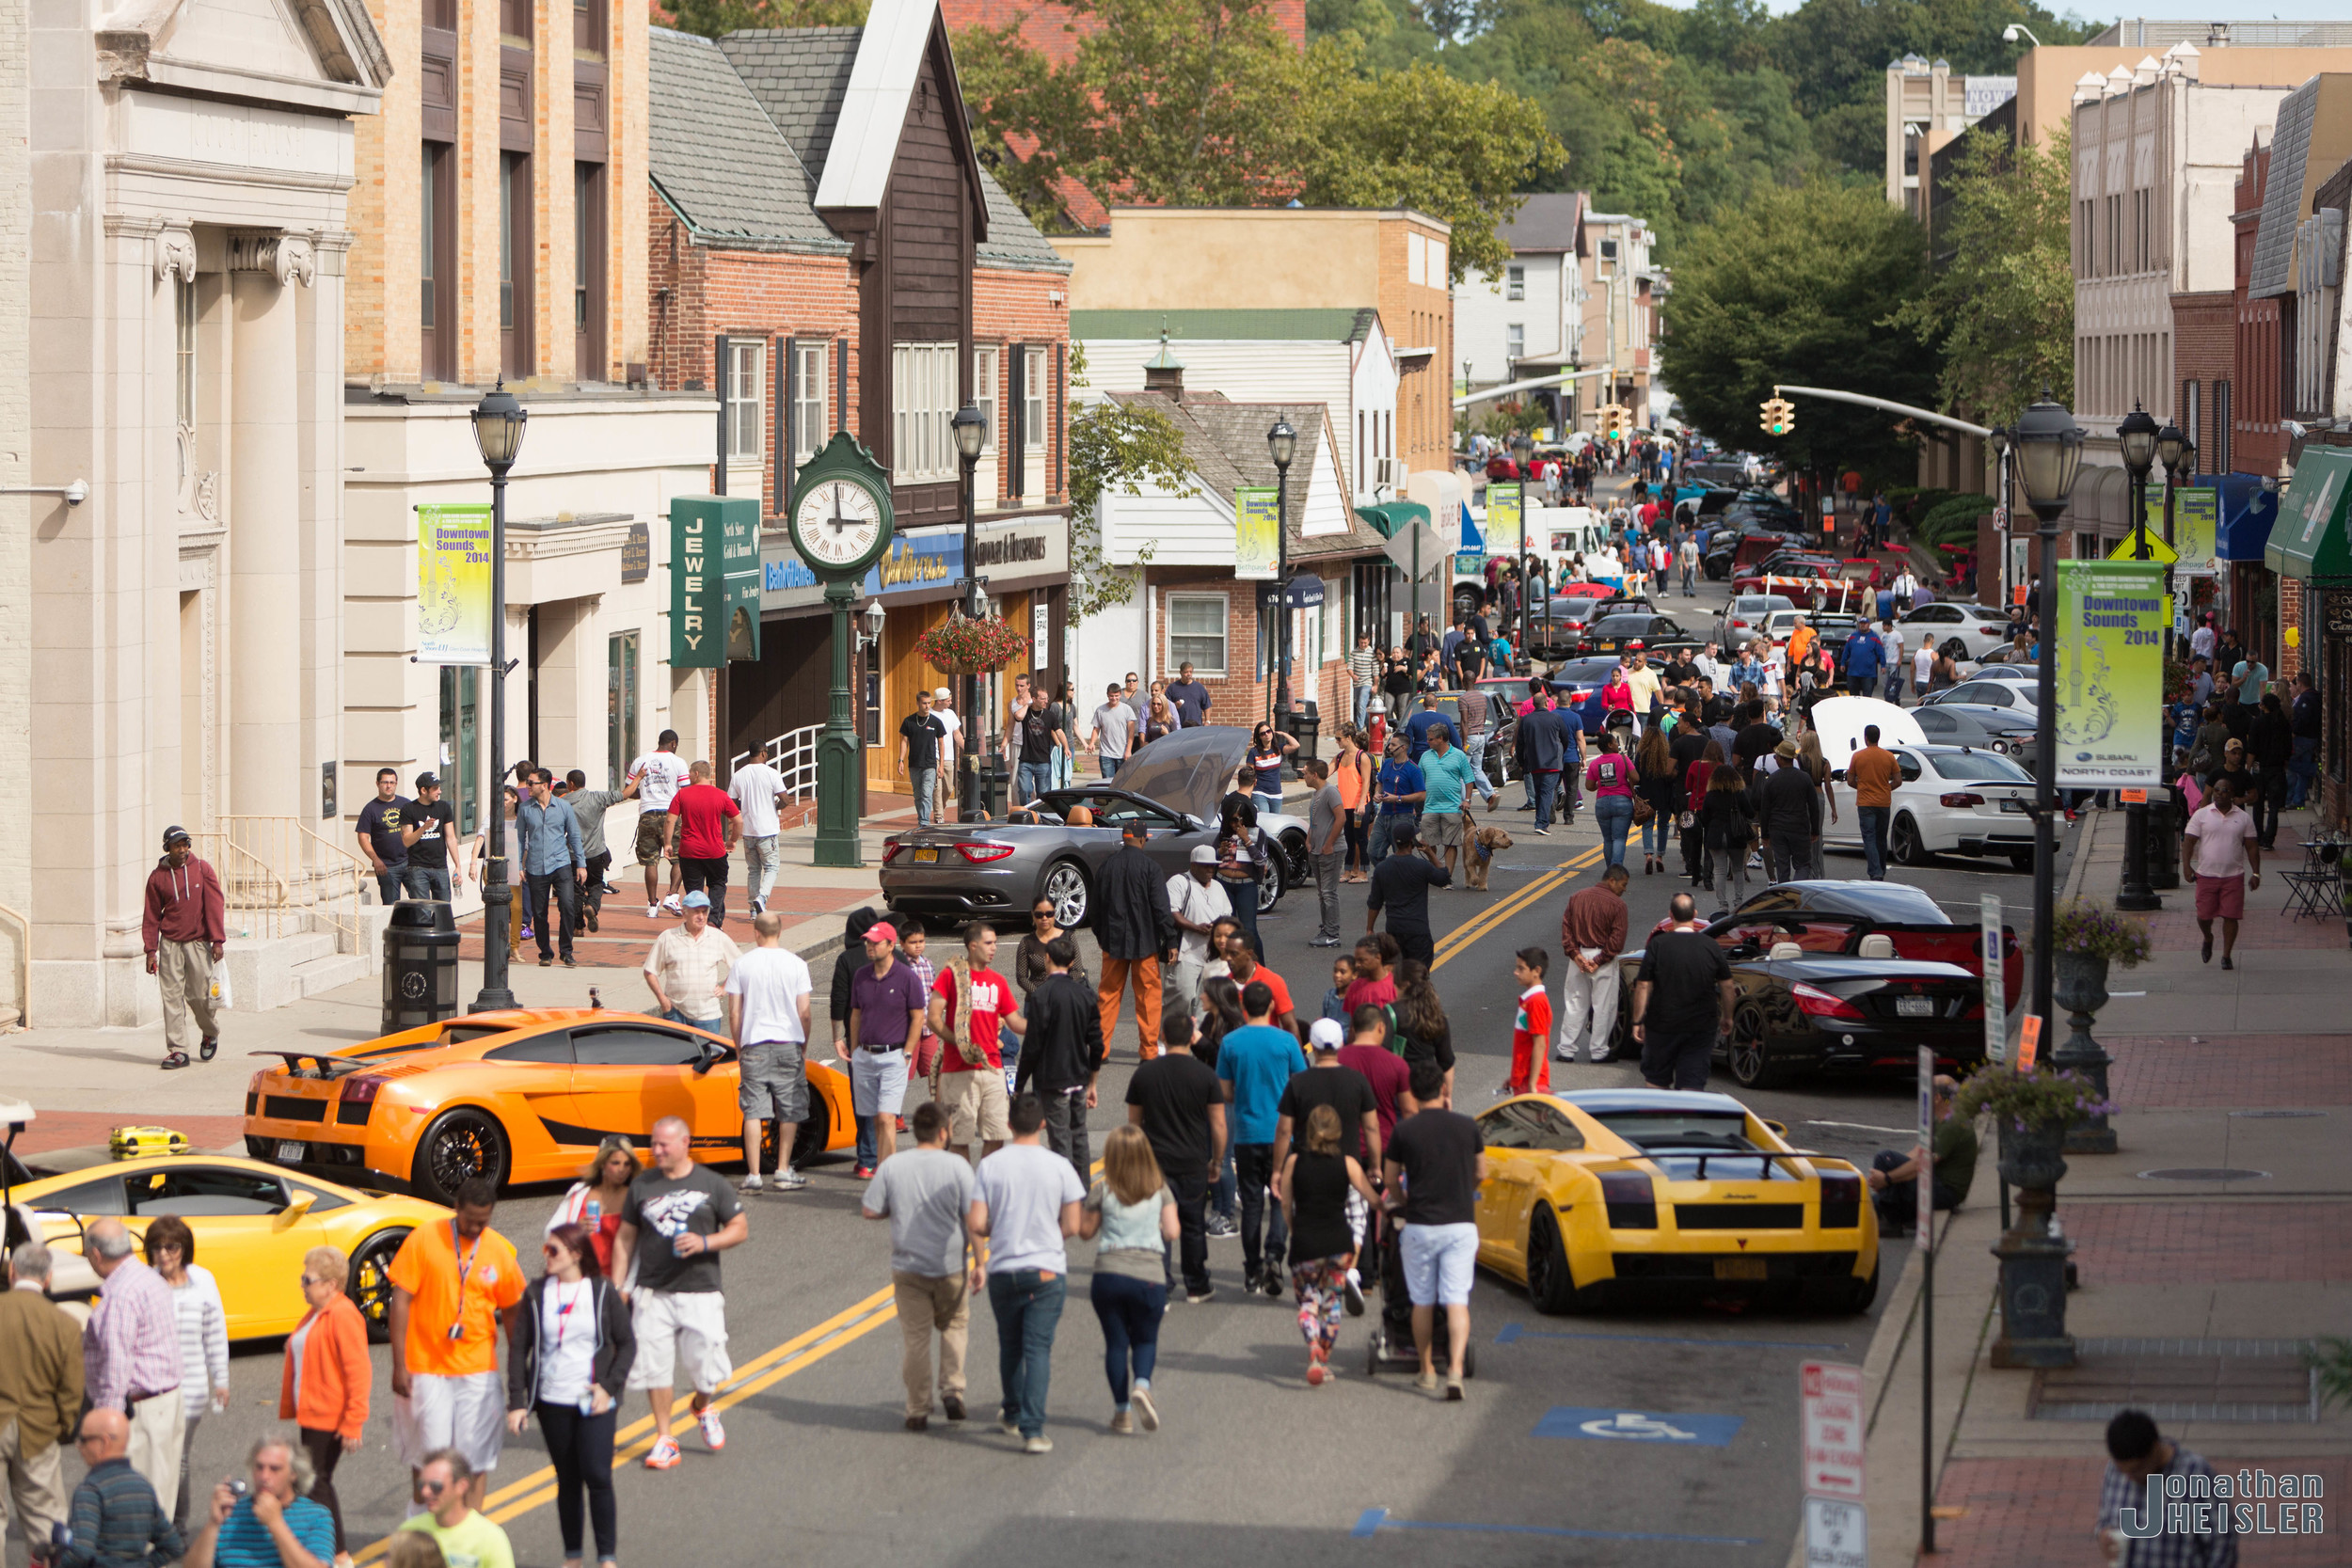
(1840, 978)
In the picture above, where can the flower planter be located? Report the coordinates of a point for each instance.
(2033, 1155)
(2080, 982)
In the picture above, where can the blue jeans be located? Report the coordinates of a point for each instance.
(389, 882)
(1009, 1048)
(565, 886)
(1243, 897)
(1028, 1305)
(1225, 1192)
(1893, 693)
(1872, 820)
(924, 783)
(1653, 833)
(1130, 1310)
(2302, 767)
(1614, 813)
(1359, 701)
(1035, 778)
(425, 881)
(1545, 784)
(1110, 765)
(1266, 804)
(1863, 686)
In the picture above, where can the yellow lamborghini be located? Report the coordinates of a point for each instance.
(252, 1223)
(1592, 1195)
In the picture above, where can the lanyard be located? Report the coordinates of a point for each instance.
(465, 1267)
(564, 1311)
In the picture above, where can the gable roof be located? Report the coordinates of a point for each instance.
(1316, 326)
(1013, 241)
(1225, 447)
(800, 75)
(718, 159)
(1545, 222)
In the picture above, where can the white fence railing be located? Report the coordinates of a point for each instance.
(793, 753)
(279, 878)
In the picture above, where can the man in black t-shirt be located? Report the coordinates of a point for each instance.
(1040, 725)
(430, 834)
(1684, 996)
(920, 734)
(1434, 1166)
(1326, 1082)
(1401, 884)
(1756, 739)
(378, 831)
(1179, 1104)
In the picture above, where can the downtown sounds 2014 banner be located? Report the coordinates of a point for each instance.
(453, 585)
(2110, 673)
(1256, 541)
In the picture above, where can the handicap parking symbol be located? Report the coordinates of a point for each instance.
(1639, 1426)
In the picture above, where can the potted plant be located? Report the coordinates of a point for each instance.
(2034, 1112)
(961, 645)
(2084, 939)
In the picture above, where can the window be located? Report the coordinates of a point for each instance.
(745, 404)
(923, 400)
(636, 1046)
(2220, 459)
(461, 741)
(620, 706)
(1515, 282)
(809, 431)
(589, 29)
(2191, 426)
(588, 271)
(984, 392)
(102, 1197)
(1515, 341)
(205, 1192)
(553, 1047)
(1034, 382)
(1196, 631)
(436, 225)
(515, 242)
(183, 325)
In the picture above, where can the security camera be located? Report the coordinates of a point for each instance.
(2295, 429)
(76, 493)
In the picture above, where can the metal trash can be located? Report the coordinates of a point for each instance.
(1306, 728)
(420, 965)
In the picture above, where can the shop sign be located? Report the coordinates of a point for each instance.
(924, 562)
(714, 580)
(637, 554)
(453, 585)
(2110, 625)
(2337, 609)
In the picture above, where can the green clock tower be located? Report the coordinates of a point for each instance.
(841, 523)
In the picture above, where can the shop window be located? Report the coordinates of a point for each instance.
(746, 405)
(1197, 624)
(923, 398)
(620, 706)
(810, 429)
(461, 743)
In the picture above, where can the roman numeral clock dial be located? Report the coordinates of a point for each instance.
(837, 526)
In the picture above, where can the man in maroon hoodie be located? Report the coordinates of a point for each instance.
(186, 928)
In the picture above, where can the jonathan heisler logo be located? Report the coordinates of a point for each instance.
(2250, 1502)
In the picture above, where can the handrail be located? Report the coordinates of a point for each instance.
(793, 754)
(278, 868)
(23, 965)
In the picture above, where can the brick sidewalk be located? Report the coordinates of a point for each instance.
(624, 935)
(79, 1129)
(2040, 1514)
(2174, 928)
(2223, 1241)
(2247, 1072)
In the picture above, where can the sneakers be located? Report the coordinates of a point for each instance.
(1543, 832)
(1454, 1390)
(789, 1181)
(1316, 1373)
(1354, 1290)
(953, 1404)
(672, 906)
(1040, 1444)
(1272, 1284)
(918, 1423)
(754, 1183)
(759, 907)
(1123, 1424)
(1425, 1382)
(653, 911)
(1147, 1413)
(863, 1173)
(713, 1434)
(665, 1455)
(1218, 1225)
(1206, 1293)
(1008, 1425)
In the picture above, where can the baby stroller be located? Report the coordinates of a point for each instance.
(1390, 1343)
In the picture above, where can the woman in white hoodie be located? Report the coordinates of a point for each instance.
(203, 1335)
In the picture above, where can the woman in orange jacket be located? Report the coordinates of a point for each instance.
(324, 1389)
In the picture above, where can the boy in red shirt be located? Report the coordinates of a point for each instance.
(707, 823)
(1531, 1064)
(971, 1082)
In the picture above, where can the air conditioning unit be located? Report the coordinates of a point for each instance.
(1388, 471)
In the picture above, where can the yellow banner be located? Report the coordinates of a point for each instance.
(1255, 534)
(453, 585)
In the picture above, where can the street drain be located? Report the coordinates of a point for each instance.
(2180, 1380)
(2204, 1173)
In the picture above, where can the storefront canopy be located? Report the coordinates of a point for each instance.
(1388, 516)
(2248, 510)
(2308, 540)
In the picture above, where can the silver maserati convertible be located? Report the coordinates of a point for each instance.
(998, 870)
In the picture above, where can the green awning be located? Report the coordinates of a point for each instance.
(1386, 517)
(2307, 539)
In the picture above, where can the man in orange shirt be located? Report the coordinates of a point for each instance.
(1247, 968)
(1874, 773)
(453, 1287)
(1800, 640)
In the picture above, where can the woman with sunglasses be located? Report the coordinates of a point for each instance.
(327, 1379)
(596, 1200)
(573, 1347)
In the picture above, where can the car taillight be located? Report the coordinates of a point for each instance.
(979, 854)
(890, 847)
(1841, 1199)
(1631, 1201)
(1818, 1002)
(361, 1088)
(1959, 799)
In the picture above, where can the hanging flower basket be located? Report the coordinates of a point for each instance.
(965, 646)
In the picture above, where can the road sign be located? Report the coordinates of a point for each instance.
(1836, 1535)
(1996, 995)
(2127, 548)
(1832, 1422)
(1416, 544)
(1640, 1426)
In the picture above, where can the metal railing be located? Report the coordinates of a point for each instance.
(279, 878)
(793, 754)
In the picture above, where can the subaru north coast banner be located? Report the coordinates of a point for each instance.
(1255, 522)
(453, 585)
(2110, 673)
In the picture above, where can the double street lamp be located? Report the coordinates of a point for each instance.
(2046, 446)
(1281, 444)
(497, 433)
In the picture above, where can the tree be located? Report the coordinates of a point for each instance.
(1796, 285)
(2002, 309)
(1115, 448)
(715, 18)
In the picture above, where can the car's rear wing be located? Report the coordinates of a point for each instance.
(1951, 944)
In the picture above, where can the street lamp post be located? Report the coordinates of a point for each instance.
(2048, 447)
(1523, 448)
(1281, 444)
(971, 432)
(2137, 437)
(2178, 454)
(497, 433)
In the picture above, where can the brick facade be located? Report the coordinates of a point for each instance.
(1239, 696)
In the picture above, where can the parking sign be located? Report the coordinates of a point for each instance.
(1831, 1429)
(1836, 1535)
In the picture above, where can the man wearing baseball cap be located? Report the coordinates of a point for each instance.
(184, 925)
(435, 852)
(688, 968)
(1197, 904)
(886, 1012)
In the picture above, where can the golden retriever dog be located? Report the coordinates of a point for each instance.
(1480, 857)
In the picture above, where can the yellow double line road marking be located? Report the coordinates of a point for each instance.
(1459, 940)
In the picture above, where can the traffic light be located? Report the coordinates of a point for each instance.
(1780, 416)
(1614, 420)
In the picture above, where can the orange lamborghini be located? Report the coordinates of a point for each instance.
(521, 1096)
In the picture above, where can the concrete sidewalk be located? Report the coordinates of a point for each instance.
(2211, 1249)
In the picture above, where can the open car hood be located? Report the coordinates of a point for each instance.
(1188, 770)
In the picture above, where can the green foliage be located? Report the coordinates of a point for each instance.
(2043, 1097)
(714, 18)
(2097, 931)
(1952, 521)
(1794, 286)
(1114, 448)
(2330, 1361)
(2003, 307)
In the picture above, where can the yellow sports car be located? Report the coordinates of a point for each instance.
(252, 1223)
(1591, 1196)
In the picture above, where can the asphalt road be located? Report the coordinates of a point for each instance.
(1365, 1471)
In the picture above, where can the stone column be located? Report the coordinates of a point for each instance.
(265, 510)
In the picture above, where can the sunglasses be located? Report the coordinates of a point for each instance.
(553, 1251)
(431, 1488)
(1040, 914)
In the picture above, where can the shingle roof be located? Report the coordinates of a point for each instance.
(717, 157)
(1546, 221)
(1225, 444)
(2273, 268)
(1013, 241)
(1317, 325)
(800, 76)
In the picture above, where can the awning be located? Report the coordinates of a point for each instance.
(2248, 510)
(1388, 516)
(1306, 593)
(2307, 539)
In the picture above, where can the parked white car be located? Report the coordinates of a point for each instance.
(1952, 800)
(1981, 627)
(1984, 690)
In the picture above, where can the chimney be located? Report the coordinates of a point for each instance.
(1164, 372)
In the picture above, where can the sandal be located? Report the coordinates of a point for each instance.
(208, 1050)
(175, 1059)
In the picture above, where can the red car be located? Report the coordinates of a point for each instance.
(1751, 580)
(1860, 569)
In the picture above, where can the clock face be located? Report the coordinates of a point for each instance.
(837, 524)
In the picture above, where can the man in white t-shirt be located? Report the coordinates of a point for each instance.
(1891, 641)
(767, 1000)
(1114, 728)
(1026, 1200)
(758, 791)
(1198, 903)
(1923, 667)
(942, 709)
(660, 773)
(2224, 858)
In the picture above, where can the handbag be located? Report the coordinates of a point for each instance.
(1642, 812)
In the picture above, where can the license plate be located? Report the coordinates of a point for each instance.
(1740, 1268)
(290, 1154)
(925, 857)
(2018, 806)
(1914, 1006)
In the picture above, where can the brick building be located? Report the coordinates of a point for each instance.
(827, 253)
